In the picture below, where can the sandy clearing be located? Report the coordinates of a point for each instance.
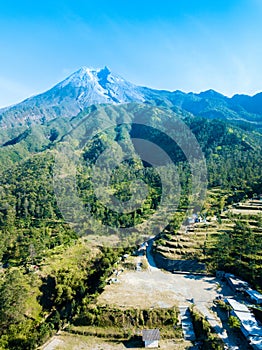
(157, 288)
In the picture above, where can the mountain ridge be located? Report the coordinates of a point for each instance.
(90, 86)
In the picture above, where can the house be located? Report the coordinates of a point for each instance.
(255, 296)
(248, 324)
(235, 283)
(250, 328)
(191, 220)
(151, 337)
(237, 306)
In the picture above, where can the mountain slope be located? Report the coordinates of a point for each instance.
(82, 89)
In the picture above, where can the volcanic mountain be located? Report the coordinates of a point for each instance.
(87, 87)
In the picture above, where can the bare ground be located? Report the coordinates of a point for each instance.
(157, 288)
(145, 289)
(75, 342)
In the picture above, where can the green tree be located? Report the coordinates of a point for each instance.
(13, 293)
(234, 322)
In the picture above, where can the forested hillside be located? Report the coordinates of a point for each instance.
(36, 295)
(28, 202)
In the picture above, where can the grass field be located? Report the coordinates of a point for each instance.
(66, 341)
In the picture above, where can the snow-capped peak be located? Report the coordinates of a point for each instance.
(100, 85)
(98, 75)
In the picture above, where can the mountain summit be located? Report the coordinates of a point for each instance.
(84, 88)
(96, 86)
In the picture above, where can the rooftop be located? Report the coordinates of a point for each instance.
(236, 306)
(236, 282)
(254, 293)
(151, 334)
(256, 342)
(249, 323)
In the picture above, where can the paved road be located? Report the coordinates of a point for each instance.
(150, 259)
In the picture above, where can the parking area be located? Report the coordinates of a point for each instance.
(156, 288)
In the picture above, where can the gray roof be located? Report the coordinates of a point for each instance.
(254, 294)
(249, 323)
(236, 282)
(237, 306)
(151, 334)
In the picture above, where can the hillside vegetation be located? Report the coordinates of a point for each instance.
(51, 273)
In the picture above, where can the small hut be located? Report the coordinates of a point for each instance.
(151, 337)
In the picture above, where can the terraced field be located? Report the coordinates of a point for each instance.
(196, 241)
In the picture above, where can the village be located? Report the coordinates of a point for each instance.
(228, 306)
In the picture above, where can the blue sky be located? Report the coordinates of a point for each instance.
(190, 45)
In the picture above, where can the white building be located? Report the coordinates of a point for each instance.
(235, 283)
(151, 337)
(255, 296)
(236, 306)
(249, 326)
